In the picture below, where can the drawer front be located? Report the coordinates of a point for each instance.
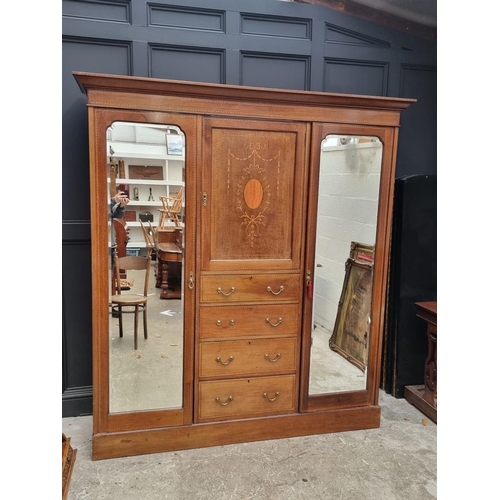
(246, 288)
(237, 321)
(254, 397)
(247, 357)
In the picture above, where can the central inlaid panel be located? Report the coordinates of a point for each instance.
(252, 172)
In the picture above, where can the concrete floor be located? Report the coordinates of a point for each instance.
(398, 461)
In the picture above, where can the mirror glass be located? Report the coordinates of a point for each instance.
(349, 183)
(146, 163)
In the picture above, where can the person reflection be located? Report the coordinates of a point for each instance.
(119, 233)
(118, 204)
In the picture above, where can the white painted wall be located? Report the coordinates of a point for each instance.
(347, 211)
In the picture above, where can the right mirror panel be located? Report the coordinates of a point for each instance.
(349, 183)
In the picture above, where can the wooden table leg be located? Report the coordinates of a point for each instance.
(430, 379)
(159, 264)
(168, 290)
(424, 396)
(164, 281)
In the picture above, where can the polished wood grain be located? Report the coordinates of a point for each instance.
(247, 357)
(255, 288)
(218, 322)
(249, 397)
(427, 311)
(251, 184)
(253, 177)
(123, 444)
(107, 91)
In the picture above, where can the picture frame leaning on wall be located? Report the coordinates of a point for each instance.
(352, 325)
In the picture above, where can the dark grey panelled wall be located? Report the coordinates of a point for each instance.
(263, 43)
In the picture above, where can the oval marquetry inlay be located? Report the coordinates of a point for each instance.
(253, 193)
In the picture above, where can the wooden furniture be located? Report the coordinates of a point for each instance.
(169, 252)
(172, 209)
(133, 302)
(120, 234)
(149, 238)
(424, 397)
(68, 461)
(248, 262)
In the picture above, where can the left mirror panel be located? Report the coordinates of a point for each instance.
(146, 231)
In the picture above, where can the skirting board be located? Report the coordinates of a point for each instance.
(130, 443)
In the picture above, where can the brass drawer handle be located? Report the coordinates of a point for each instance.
(225, 363)
(231, 322)
(219, 290)
(229, 399)
(269, 289)
(276, 396)
(278, 356)
(280, 320)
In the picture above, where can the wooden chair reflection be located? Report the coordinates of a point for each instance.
(172, 209)
(121, 239)
(121, 236)
(154, 233)
(132, 302)
(149, 237)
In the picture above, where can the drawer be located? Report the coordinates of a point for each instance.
(253, 397)
(250, 288)
(238, 321)
(247, 357)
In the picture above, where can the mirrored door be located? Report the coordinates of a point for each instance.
(143, 211)
(342, 335)
(146, 182)
(349, 181)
